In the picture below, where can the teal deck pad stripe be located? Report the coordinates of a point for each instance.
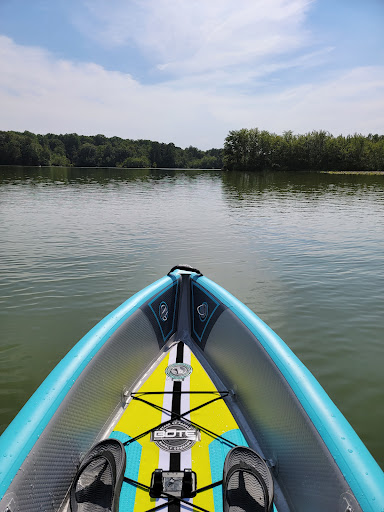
(133, 453)
(218, 450)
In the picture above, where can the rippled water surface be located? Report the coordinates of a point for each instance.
(304, 251)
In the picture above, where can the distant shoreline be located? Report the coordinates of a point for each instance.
(354, 172)
(313, 171)
(117, 168)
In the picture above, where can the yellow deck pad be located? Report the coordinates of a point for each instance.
(205, 457)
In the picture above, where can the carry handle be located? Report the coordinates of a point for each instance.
(188, 268)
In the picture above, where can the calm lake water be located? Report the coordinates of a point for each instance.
(304, 251)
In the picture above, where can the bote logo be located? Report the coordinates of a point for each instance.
(176, 436)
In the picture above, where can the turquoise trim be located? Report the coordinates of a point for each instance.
(20, 436)
(133, 453)
(218, 450)
(359, 468)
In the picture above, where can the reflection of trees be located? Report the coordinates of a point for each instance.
(100, 175)
(241, 185)
(71, 174)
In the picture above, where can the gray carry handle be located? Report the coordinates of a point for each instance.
(188, 268)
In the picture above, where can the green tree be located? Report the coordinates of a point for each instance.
(87, 156)
(72, 144)
(10, 149)
(255, 150)
(136, 162)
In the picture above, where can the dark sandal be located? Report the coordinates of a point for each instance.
(247, 482)
(97, 485)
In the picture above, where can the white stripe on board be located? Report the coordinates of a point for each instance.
(164, 457)
(186, 457)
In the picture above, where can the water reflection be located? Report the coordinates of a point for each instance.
(236, 185)
(304, 251)
(240, 185)
(85, 175)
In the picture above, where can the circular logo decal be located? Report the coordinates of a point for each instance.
(176, 436)
(178, 371)
(163, 311)
(203, 311)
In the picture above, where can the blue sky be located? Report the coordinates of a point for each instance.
(188, 71)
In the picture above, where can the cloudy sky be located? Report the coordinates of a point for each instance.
(188, 71)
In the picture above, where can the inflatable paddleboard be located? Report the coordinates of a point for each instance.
(183, 399)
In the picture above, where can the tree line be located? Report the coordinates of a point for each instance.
(71, 149)
(244, 150)
(255, 150)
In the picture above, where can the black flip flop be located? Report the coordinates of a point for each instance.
(247, 482)
(97, 485)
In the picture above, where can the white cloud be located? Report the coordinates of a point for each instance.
(198, 36)
(43, 94)
(352, 101)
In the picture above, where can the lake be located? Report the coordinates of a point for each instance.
(305, 251)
